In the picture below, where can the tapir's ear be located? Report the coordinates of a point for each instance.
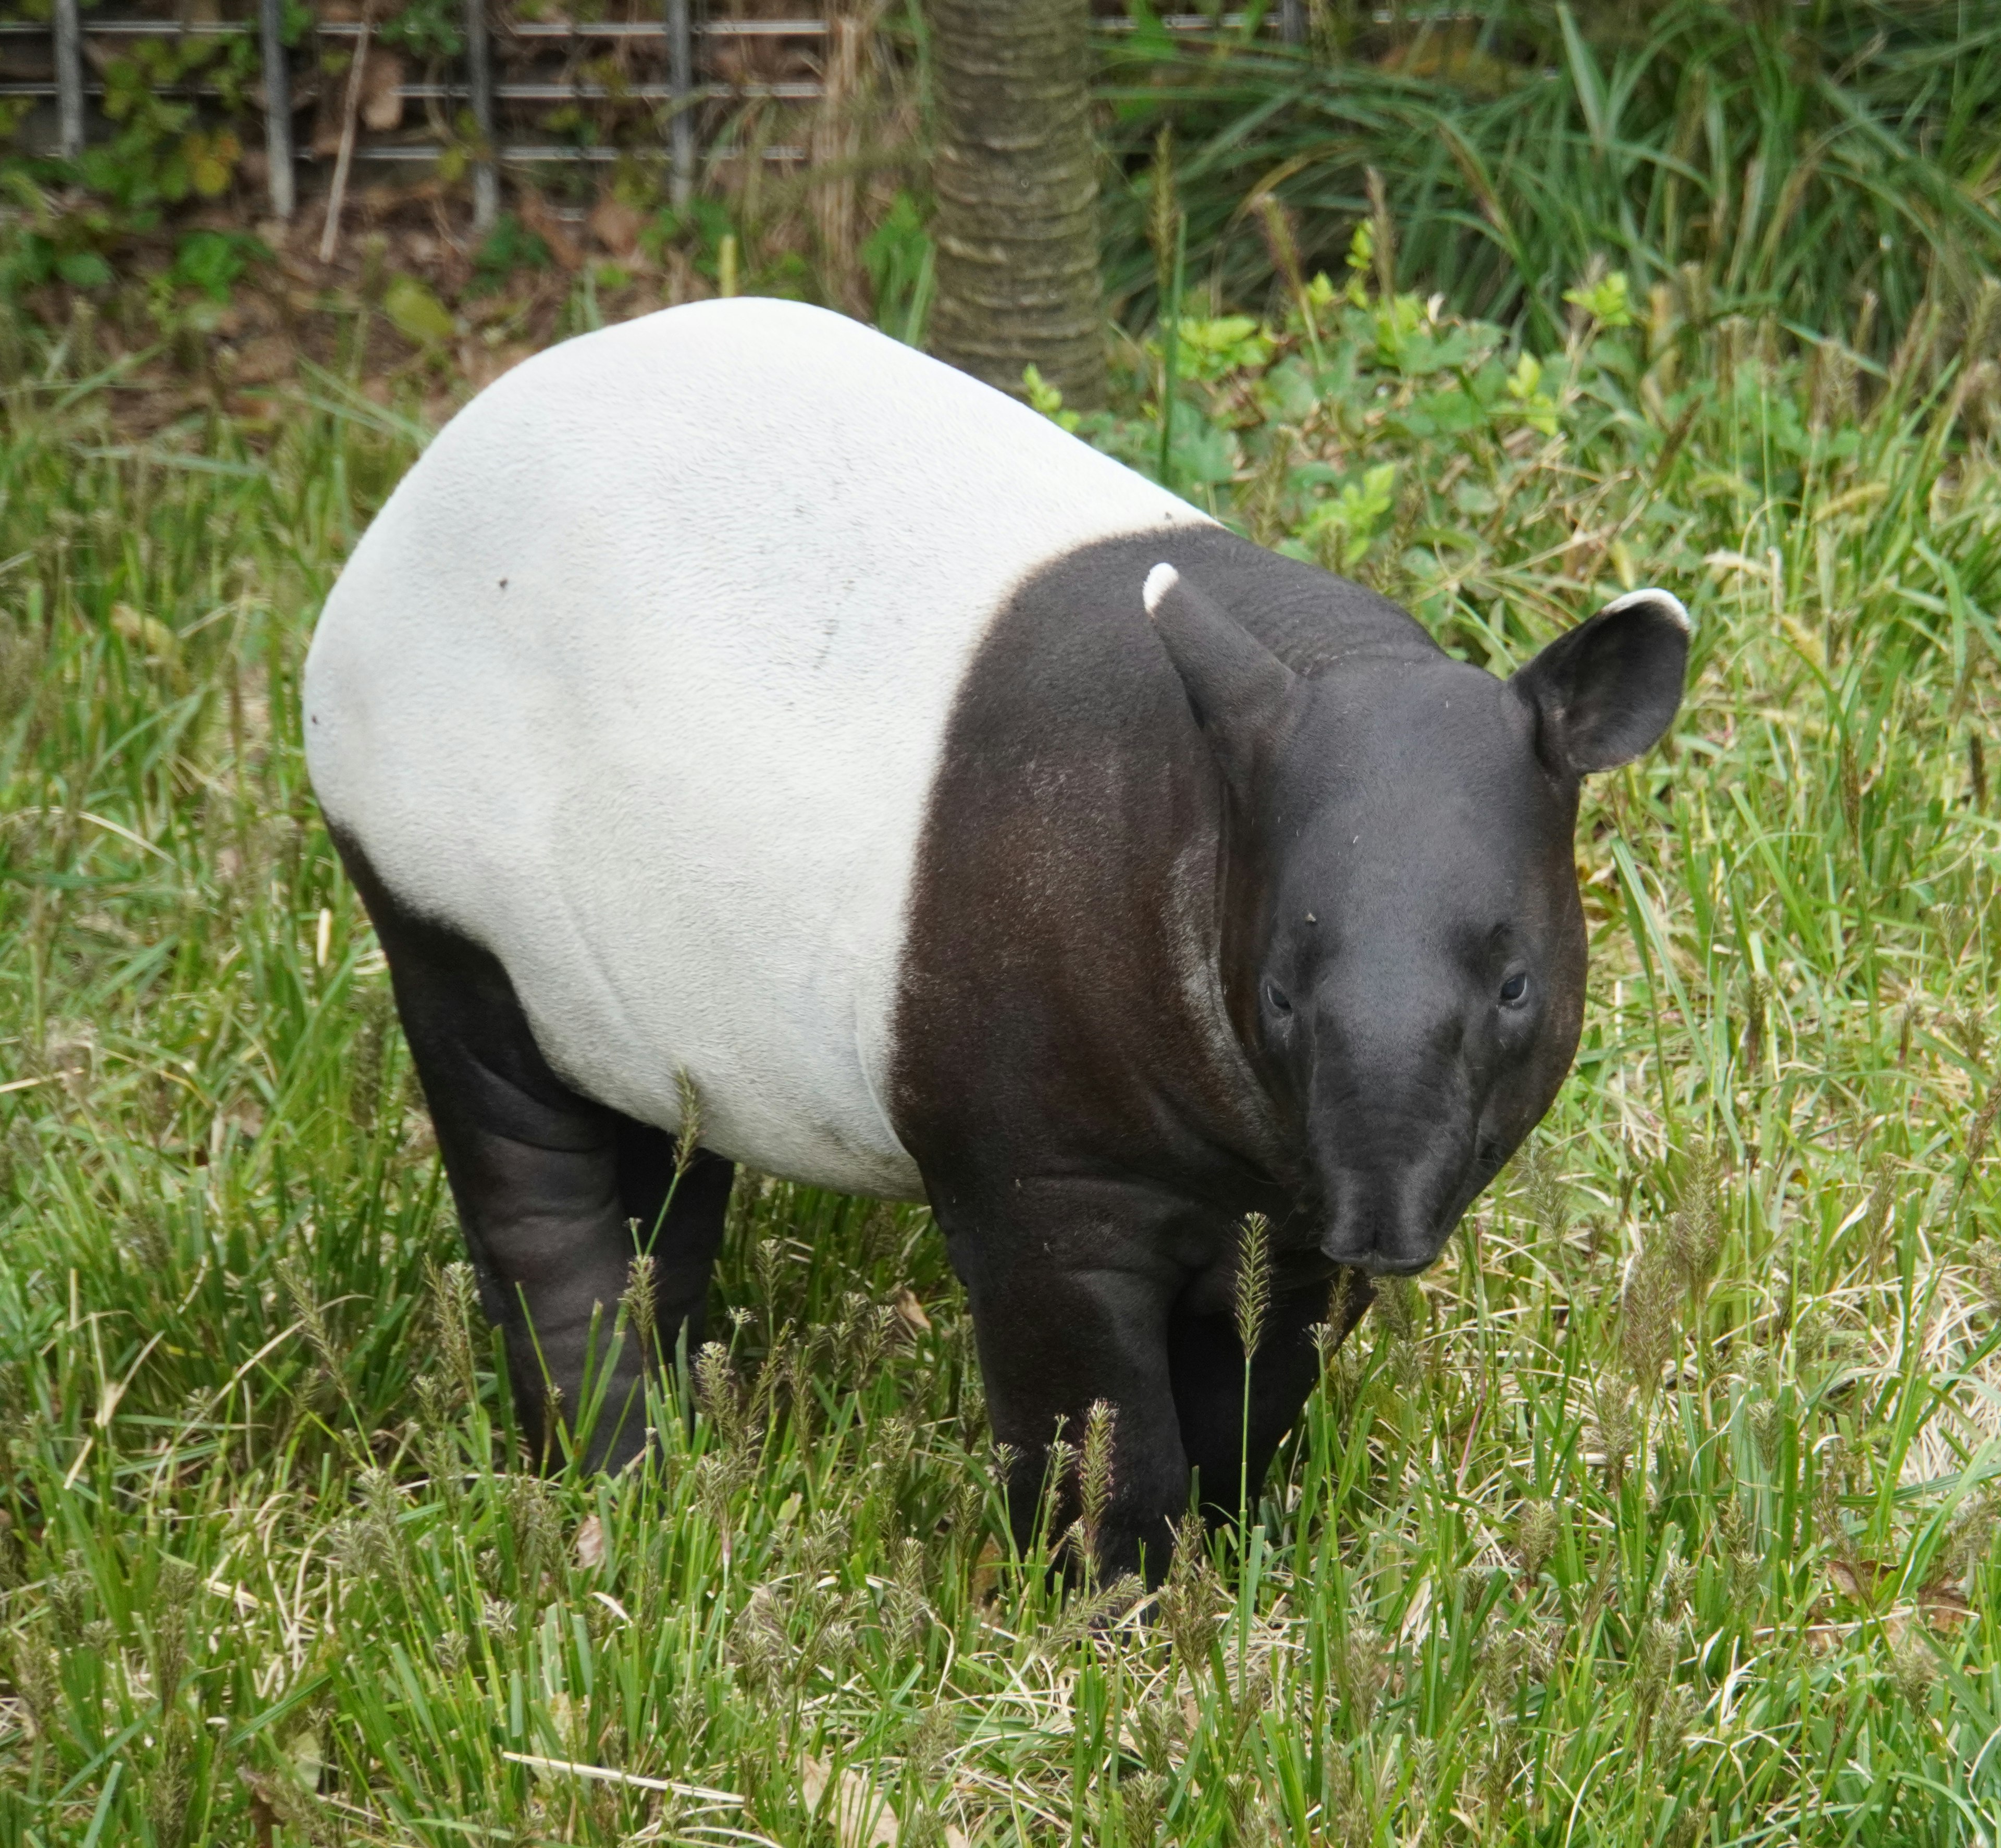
(1241, 691)
(1604, 692)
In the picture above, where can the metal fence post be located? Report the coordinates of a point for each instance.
(479, 76)
(681, 85)
(277, 107)
(69, 80)
(1293, 21)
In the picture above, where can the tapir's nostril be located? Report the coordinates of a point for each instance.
(1386, 1225)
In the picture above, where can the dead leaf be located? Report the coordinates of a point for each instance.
(381, 83)
(912, 1310)
(1860, 1578)
(617, 226)
(1943, 1605)
(159, 642)
(986, 1573)
(265, 360)
(591, 1544)
(554, 231)
(483, 364)
(861, 1815)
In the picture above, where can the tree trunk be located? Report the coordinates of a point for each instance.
(1017, 184)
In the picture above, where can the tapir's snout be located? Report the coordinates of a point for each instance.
(1391, 1120)
(1389, 1224)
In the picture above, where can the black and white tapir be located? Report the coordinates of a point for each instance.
(738, 692)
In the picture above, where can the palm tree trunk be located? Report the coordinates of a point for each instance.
(1016, 178)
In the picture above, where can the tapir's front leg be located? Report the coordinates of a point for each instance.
(1071, 1296)
(1223, 1437)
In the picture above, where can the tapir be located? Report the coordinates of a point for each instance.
(737, 701)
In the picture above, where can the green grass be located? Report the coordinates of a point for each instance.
(1795, 158)
(1663, 1512)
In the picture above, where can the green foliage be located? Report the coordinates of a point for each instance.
(50, 238)
(164, 150)
(510, 246)
(1662, 1510)
(701, 227)
(212, 261)
(899, 258)
(416, 312)
(1785, 159)
(426, 28)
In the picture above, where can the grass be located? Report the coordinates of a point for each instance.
(1792, 158)
(1663, 1512)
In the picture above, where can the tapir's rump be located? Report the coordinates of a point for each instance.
(641, 680)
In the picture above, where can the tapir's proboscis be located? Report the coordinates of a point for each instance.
(737, 693)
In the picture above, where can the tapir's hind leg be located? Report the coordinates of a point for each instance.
(679, 1221)
(548, 1185)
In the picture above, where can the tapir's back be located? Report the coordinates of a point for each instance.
(641, 680)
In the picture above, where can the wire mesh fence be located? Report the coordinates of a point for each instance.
(472, 87)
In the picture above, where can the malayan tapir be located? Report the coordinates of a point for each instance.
(737, 692)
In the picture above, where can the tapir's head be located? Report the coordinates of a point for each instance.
(1415, 939)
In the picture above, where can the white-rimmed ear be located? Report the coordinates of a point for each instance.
(1606, 691)
(1239, 690)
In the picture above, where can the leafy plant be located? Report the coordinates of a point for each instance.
(510, 246)
(427, 29)
(213, 261)
(164, 150)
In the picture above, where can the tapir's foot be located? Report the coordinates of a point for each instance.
(556, 1194)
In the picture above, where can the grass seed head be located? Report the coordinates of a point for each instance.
(1655, 1651)
(1362, 1670)
(1648, 1332)
(640, 1301)
(36, 1677)
(720, 1395)
(174, 1590)
(1164, 212)
(758, 1643)
(530, 1505)
(1914, 1670)
(1538, 1527)
(687, 1135)
(454, 1293)
(1253, 1282)
(1693, 1234)
(1142, 1807)
(1982, 1130)
(1616, 1430)
(294, 1279)
(931, 1740)
(166, 1781)
(1192, 1599)
(1543, 1192)
(1095, 1481)
(376, 1007)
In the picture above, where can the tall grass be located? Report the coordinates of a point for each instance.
(1786, 159)
(1662, 1512)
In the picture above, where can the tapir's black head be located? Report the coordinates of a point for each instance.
(1417, 951)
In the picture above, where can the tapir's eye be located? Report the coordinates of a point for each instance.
(1514, 990)
(1276, 999)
